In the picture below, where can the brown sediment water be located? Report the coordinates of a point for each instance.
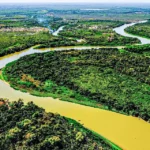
(128, 132)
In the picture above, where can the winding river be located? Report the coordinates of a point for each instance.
(120, 30)
(128, 132)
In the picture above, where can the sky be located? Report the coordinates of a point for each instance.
(73, 1)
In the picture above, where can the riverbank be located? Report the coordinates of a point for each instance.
(36, 121)
(94, 80)
(77, 124)
(128, 132)
(56, 43)
(121, 30)
(78, 99)
(68, 109)
(142, 30)
(148, 38)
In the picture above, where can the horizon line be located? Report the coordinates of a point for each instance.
(74, 2)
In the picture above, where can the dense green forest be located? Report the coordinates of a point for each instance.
(17, 35)
(142, 29)
(140, 49)
(16, 41)
(96, 32)
(105, 78)
(18, 31)
(30, 127)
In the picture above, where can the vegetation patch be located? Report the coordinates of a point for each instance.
(141, 29)
(105, 78)
(96, 32)
(139, 49)
(30, 127)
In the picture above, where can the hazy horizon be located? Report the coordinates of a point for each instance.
(75, 1)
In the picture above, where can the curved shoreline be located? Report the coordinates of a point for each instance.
(138, 35)
(55, 33)
(121, 30)
(98, 120)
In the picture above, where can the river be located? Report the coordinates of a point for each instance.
(128, 132)
(57, 31)
(121, 30)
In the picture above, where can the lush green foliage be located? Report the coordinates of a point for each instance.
(96, 32)
(140, 49)
(18, 22)
(20, 32)
(11, 42)
(16, 41)
(30, 127)
(57, 22)
(106, 77)
(142, 29)
(90, 32)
